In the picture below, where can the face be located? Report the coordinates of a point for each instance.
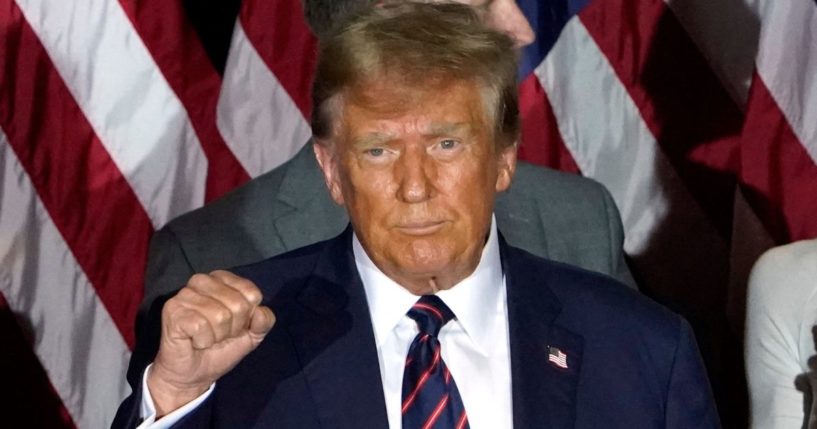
(506, 17)
(418, 175)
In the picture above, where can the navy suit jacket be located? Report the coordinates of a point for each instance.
(631, 363)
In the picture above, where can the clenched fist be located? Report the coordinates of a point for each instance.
(207, 328)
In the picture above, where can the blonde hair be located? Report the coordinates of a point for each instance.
(419, 46)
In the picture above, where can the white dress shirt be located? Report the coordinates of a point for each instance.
(474, 345)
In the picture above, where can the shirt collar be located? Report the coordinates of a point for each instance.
(476, 300)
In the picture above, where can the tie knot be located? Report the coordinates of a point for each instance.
(430, 313)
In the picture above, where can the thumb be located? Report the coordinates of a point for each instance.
(261, 322)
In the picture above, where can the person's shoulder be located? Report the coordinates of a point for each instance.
(243, 222)
(529, 174)
(798, 255)
(249, 199)
(296, 179)
(555, 193)
(784, 276)
(592, 302)
(600, 298)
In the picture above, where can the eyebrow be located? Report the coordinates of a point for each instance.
(371, 139)
(450, 128)
(437, 129)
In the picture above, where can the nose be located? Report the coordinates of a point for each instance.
(506, 17)
(415, 174)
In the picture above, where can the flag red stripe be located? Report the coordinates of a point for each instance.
(86, 196)
(696, 123)
(174, 45)
(279, 33)
(542, 143)
(34, 400)
(778, 175)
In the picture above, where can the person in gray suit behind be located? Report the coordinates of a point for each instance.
(563, 217)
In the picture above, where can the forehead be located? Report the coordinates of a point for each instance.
(454, 105)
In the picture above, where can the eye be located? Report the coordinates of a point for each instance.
(375, 151)
(448, 144)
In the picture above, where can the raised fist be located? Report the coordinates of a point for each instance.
(207, 328)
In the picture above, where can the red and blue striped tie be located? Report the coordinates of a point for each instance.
(430, 396)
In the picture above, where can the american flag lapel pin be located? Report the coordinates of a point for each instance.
(557, 357)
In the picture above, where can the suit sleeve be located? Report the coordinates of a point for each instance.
(194, 415)
(689, 402)
(619, 269)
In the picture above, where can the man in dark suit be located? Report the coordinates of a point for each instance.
(419, 314)
(555, 215)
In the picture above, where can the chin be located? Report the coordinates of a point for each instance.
(430, 250)
(425, 268)
(426, 260)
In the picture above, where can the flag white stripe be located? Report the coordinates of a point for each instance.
(75, 338)
(610, 141)
(789, 37)
(258, 119)
(126, 99)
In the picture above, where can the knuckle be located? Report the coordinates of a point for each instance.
(199, 280)
(238, 306)
(249, 290)
(173, 309)
(253, 294)
(195, 326)
(184, 294)
(221, 275)
(170, 307)
(222, 315)
(199, 325)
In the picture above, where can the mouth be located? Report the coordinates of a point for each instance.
(420, 228)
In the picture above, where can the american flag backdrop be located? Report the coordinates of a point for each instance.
(700, 116)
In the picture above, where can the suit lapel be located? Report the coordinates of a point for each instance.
(302, 199)
(544, 394)
(335, 343)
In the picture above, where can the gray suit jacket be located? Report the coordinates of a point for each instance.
(554, 215)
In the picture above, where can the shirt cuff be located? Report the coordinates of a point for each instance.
(147, 410)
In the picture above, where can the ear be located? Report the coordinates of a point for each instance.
(327, 160)
(506, 166)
